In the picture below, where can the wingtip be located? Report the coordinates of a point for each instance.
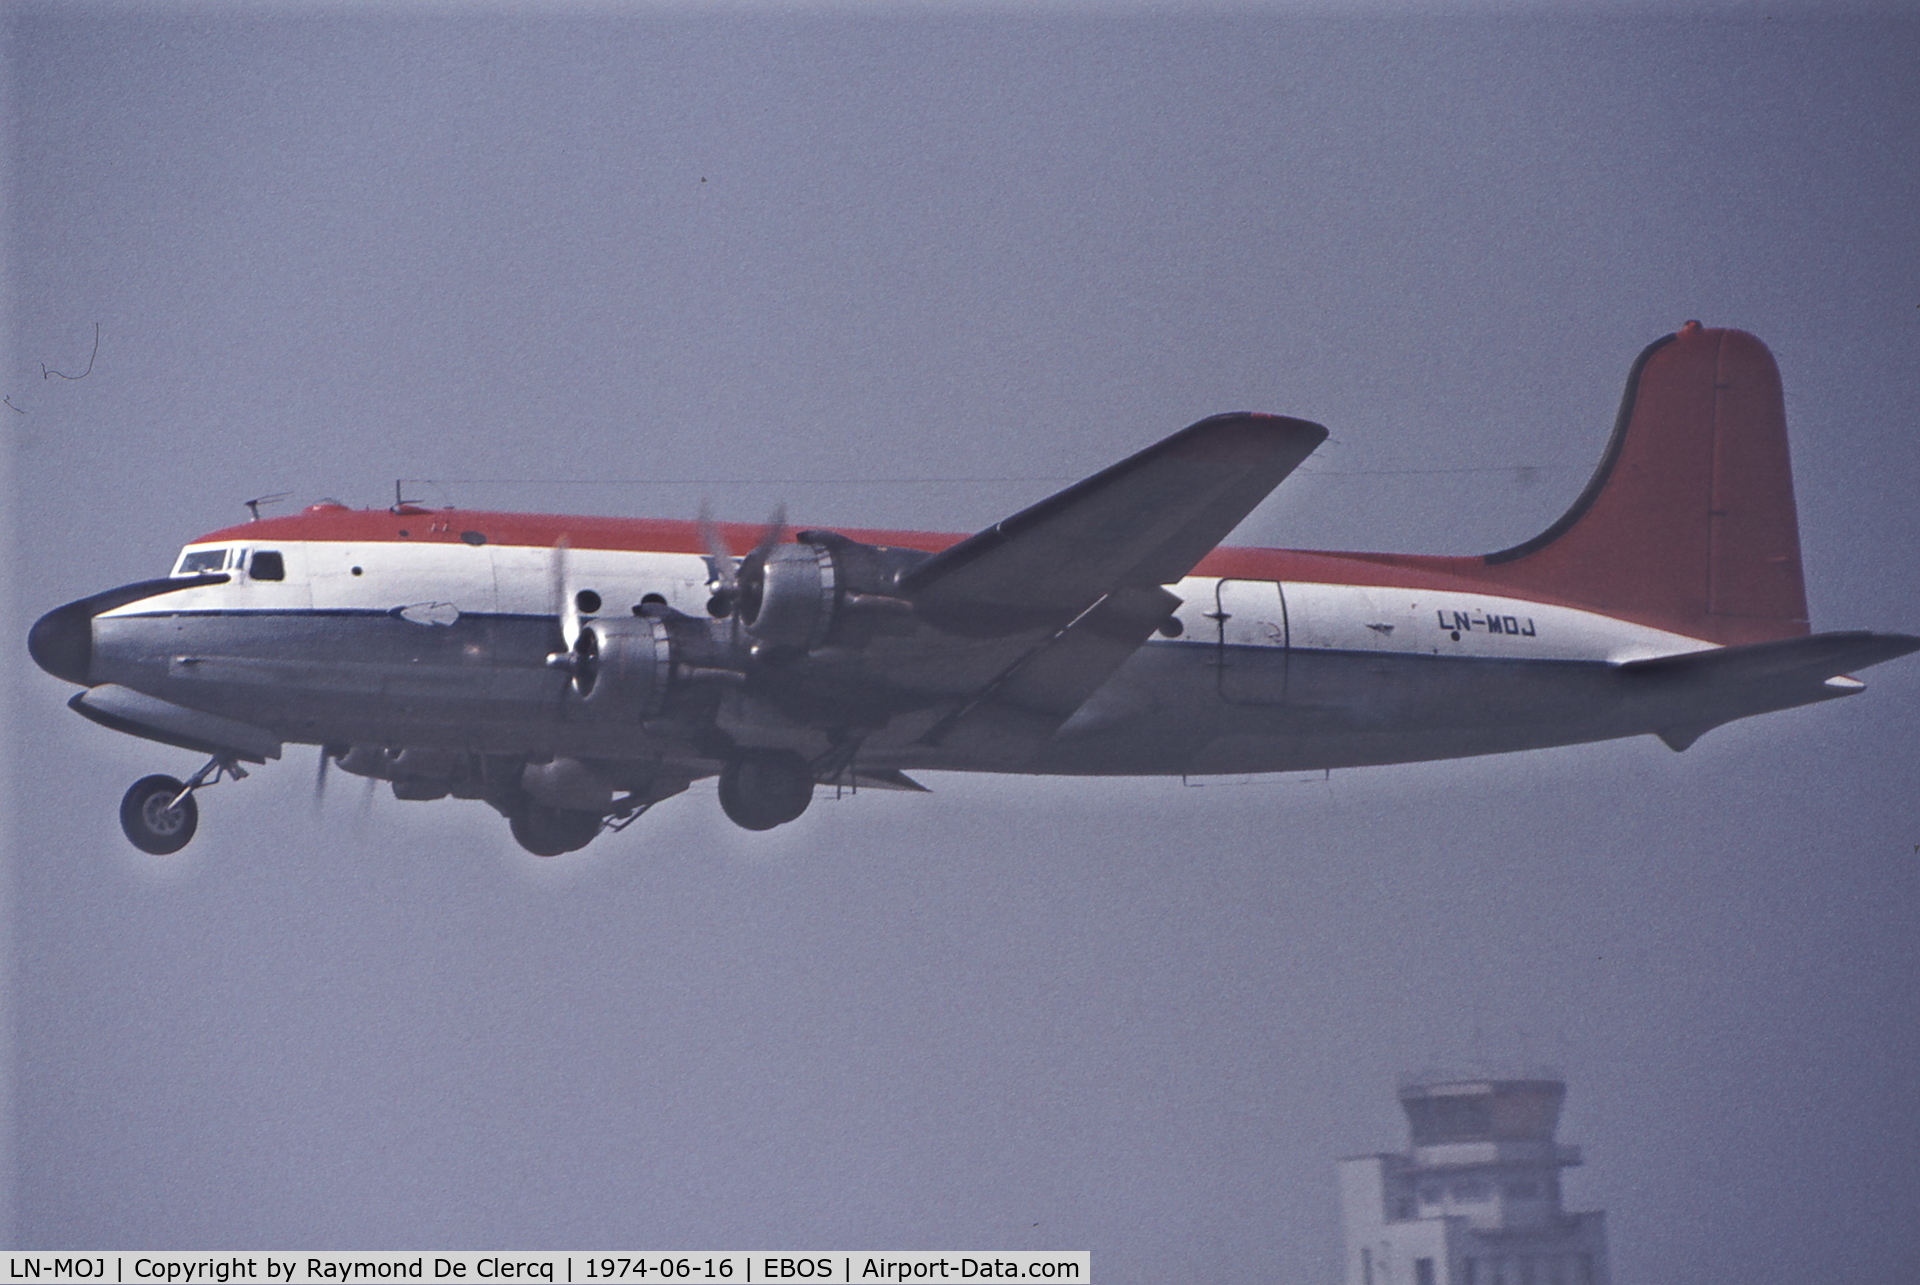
(1251, 432)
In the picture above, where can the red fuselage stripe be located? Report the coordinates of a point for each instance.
(658, 535)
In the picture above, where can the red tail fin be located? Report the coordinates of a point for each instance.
(1688, 525)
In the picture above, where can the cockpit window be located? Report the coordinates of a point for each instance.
(267, 564)
(196, 561)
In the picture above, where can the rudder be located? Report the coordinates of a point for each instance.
(1688, 524)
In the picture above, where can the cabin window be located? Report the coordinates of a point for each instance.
(267, 564)
(198, 561)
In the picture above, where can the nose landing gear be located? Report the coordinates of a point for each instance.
(158, 813)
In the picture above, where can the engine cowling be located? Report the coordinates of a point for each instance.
(568, 784)
(787, 597)
(622, 667)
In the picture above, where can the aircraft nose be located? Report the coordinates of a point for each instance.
(61, 642)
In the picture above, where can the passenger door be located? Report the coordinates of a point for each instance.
(1252, 635)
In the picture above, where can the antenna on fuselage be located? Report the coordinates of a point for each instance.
(400, 503)
(253, 505)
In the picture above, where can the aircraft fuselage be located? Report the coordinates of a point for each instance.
(573, 671)
(445, 647)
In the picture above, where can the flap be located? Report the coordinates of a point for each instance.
(1145, 521)
(1044, 687)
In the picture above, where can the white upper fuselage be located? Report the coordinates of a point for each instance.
(439, 630)
(429, 582)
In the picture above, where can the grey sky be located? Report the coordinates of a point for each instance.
(332, 249)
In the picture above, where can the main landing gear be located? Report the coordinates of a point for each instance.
(548, 831)
(760, 789)
(158, 813)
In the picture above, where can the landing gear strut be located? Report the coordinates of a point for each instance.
(158, 813)
(760, 789)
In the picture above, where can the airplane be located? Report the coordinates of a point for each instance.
(572, 672)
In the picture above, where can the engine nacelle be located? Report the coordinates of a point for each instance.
(787, 599)
(568, 784)
(622, 667)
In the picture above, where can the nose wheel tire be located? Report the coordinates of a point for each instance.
(548, 832)
(764, 788)
(153, 822)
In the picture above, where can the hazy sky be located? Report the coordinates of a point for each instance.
(802, 251)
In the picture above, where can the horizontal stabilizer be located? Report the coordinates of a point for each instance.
(1715, 687)
(1812, 659)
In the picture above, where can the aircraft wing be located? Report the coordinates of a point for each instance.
(1143, 522)
(1083, 569)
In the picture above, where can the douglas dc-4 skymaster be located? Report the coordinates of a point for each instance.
(572, 672)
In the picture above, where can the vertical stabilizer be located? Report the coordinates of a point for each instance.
(1688, 524)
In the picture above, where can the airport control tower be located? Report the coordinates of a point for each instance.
(1477, 1199)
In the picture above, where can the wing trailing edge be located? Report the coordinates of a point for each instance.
(1143, 522)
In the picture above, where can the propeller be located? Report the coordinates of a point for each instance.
(566, 605)
(366, 807)
(328, 754)
(726, 577)
(570, 606)
(566, 609)
(727, 572)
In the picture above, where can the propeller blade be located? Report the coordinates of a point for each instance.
(728, 571)
(320, 779)
(718, 558)
(565, 605)
(776, 528)
(365, 809)
(753, 567)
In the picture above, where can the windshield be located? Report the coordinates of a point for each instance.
(195, 561)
